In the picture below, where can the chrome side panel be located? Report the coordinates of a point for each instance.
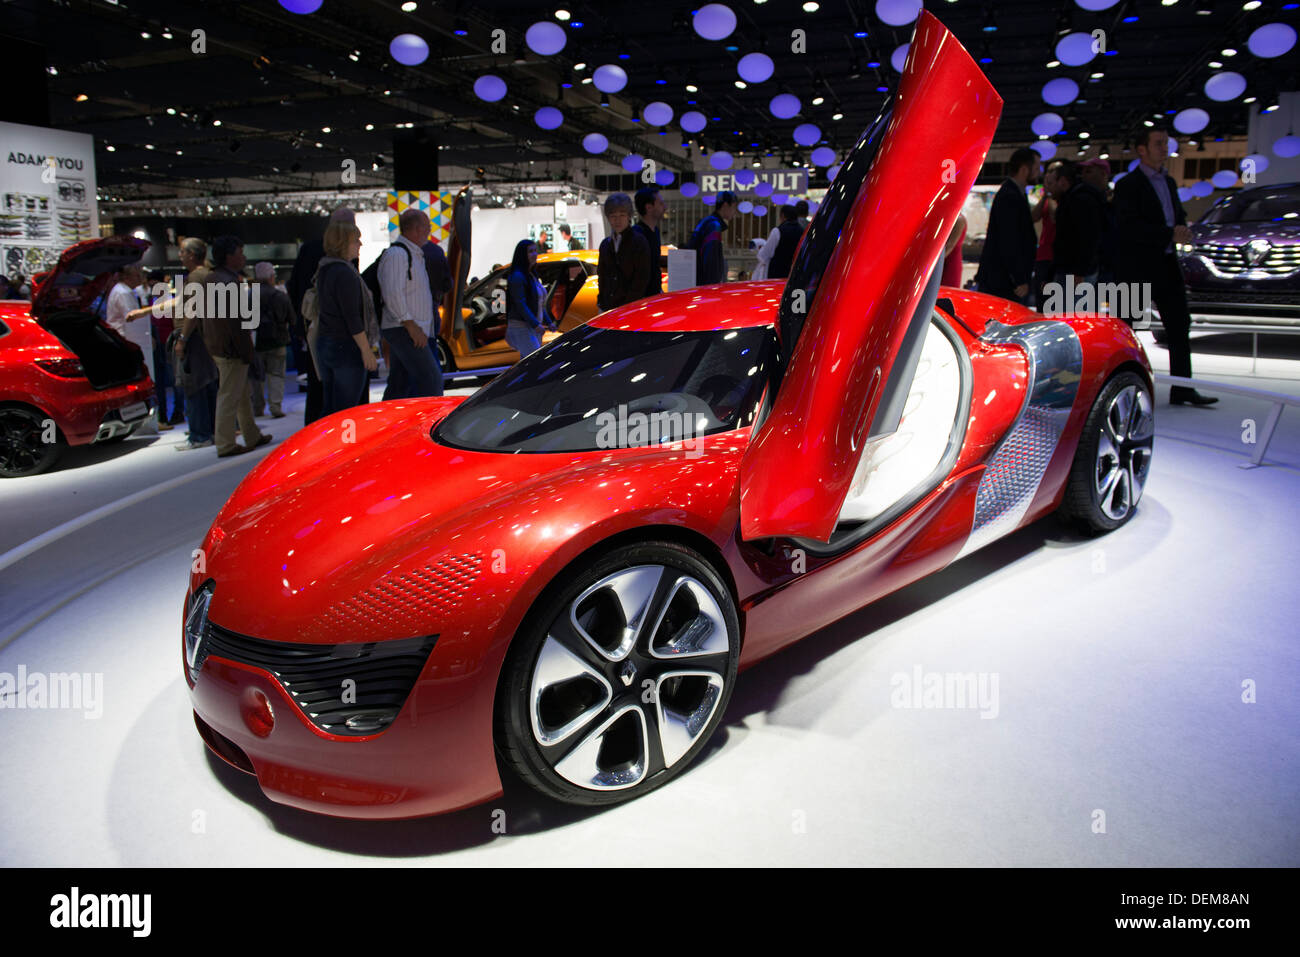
(1016, 470)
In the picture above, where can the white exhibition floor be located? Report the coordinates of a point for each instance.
(1120, 665)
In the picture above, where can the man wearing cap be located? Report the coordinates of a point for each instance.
(711, 260)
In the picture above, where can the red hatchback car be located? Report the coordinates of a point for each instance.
(561, 576)
(67, 378)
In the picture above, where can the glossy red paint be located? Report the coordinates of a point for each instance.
(798, 471)
(363, 528)
(76, 407)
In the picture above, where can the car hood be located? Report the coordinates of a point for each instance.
(82, 273)
(1235, 234)
(366, 495)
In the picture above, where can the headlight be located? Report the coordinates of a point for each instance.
(196, 627)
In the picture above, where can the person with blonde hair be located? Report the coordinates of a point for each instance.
(343, 352)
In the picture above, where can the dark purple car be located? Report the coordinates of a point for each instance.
(1243, 266)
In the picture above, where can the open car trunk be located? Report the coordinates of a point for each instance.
(106, 357)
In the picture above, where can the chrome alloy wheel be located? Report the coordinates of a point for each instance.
(628, 677)
(1124, 452)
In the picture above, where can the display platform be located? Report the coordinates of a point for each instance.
(1109, 729)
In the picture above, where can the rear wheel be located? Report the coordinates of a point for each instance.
(1113, 459)
(444, 356)
(617, 684)
(29, 442)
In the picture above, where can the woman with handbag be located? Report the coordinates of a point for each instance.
(342, 350)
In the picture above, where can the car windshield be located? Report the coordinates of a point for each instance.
(1279, 204)
(607, 388)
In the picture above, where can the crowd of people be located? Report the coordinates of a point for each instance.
(331, 320)
(1091, 234)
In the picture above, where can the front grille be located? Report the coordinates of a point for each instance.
(381, 675)
(1231, 260)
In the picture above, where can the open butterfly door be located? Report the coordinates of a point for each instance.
(861, 283)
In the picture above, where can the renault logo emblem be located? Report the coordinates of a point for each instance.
(627, 674)
(1257, 251)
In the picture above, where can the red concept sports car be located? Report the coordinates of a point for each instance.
(61, 365)
(562, 574)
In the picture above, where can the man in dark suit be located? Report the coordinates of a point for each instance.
(1007, 260)
(623, 266)
(1150, 220)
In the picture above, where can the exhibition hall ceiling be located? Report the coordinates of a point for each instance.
(271, 84)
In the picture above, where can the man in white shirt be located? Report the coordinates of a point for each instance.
(124, 300)
(407, 324)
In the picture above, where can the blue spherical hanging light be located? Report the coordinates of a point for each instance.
(714, 21)
(609, 78)
(549, 118)
(1191, 120)
(595, 143)
(720, 160)
(692, 121)
(633, 162)
(1061, 91)
(1047, 124)
(489, 88)
(1272, 40)
(408, 49)
(784, 106)
(755, 67)
(657, 113)
(545, 38)
(690, 189)
(1225, 86)
(1076, 49)
(806, 134)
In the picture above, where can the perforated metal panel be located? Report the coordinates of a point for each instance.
(405, 604)
(1016, 469)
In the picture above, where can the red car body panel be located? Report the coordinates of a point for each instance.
(799, 468)
(76, 407)
(363, 528)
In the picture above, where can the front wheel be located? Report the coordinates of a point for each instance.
(1113, 459)
(617, 683)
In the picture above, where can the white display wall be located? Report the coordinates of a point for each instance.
(47, 195)
(496, 231)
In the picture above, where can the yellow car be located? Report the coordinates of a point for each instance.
(479, 344)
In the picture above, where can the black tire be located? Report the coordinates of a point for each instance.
(444, 356)
(620, 734)
(23, 449)
(1113, 460)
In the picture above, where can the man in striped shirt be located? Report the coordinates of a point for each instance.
(409, 311)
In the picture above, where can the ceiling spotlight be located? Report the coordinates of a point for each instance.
(171, 111)
(1216, 64)
(741, 84)
(818, 100)
(837, 116)
(409, 6)
(1228, 51)
(604, 99)
(146, 35)
(990, 24)
(216, 122)
(167, 33)
(369, 127)
(354, 56)
(460, 28)
(562, 15)
(1053, 64)
(111, 148)
(324, 129)
(692, 88)
(811, 6)
(82, 98)
(580, 66)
